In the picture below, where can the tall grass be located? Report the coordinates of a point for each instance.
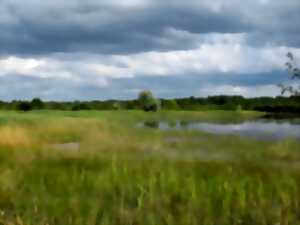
(14, 137)
(124, 175)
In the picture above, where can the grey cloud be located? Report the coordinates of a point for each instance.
(17, 86)
(194, 81)
(32, 27)
(27, 87)
(92, 31)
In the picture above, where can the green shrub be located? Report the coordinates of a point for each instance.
(148, 102)
(24, 106)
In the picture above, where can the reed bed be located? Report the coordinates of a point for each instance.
(125, 175)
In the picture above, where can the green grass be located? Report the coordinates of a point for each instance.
(124, 175)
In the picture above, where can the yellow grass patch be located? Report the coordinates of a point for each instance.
(14, 137)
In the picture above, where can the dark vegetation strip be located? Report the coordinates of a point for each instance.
(267, 104)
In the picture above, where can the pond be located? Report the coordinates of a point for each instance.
(68, 146)
(261, 129)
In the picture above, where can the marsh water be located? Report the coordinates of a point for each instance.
(262, 129)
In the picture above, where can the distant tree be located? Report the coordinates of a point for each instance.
(37, 103)
(295, 72)
(24, 106)
(239, 108)
(57, 106)
(2, 104)
(169, 104)
(117, 106)
(80, 106)
(131, 104)
(148, 102)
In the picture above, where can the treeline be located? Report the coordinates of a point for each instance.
(277, 104)
(268, 104)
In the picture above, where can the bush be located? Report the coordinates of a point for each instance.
(148, 102)
(24, 106)
(37, 103)
(116, 106)
(80, 106)
(239, 108)
(170, 104)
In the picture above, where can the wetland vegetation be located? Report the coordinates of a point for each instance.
(91, 167)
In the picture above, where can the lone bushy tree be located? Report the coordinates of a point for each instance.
(295, 72)
(147, 101)
(24, 106)
(37, 103)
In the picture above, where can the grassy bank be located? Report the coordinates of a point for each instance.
(124, 175)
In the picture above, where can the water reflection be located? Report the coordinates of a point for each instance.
(152, 124)
(260, 129)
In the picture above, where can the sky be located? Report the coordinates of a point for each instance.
(112, 49)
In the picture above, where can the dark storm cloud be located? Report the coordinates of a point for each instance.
(66, 50)
(135, 31)
(33, 27)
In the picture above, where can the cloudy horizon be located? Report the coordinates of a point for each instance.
(88, 50)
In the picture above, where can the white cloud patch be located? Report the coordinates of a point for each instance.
(48, 68)
(247, 91)
(228, 54)
(217, 54)
(19, 65)
(208, 58)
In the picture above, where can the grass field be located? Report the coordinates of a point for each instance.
(121, 174)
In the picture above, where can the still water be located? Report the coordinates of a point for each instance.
(258, 129)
